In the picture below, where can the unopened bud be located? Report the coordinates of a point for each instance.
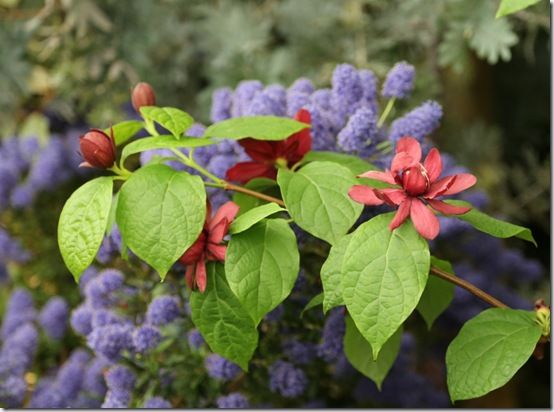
(542, 313)
(98, 149)
(143, 95)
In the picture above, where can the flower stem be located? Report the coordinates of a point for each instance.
(467, 286)
(188, 161)
(386, 112)
(120, 172)
(235, 188)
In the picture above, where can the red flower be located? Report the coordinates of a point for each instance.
(208, 246)
(98, 149)
(266, 155)
(143, 95)
(419, 184)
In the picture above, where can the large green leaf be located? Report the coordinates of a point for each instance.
(262, 265)
(384, 275)
(359, 354)
(511, 6)
(83, 223)
(170, 118)
(253, 216)
(160, 214)
(257, 127)
(123, 131)
(161, 142)
(437, 295)
(317, 198)
(262, 185)
(489, 350)
(331, 274)
(223, 322)
(492, 226)
(353, 163)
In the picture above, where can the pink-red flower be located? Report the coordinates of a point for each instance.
(208, 246)
(98, 149)
(265, 155)
(415, 185)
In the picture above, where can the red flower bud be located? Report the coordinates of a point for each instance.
(143, 95)
(98, 149)
(193, 253)
(415, 181)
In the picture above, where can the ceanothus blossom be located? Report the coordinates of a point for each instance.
(416, 185)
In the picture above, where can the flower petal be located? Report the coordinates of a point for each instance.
(217, 251)
(424, 220)
(450, 185)
(228, 211)
(259, 150)
(303, 137)
(402, 214)
(385, 176)
(245, 171)
(410, 146)
(365, 195)
(391, 196)
(447, 209)
(189, 276)
(433, 164)
(401, 161)
(200, 277)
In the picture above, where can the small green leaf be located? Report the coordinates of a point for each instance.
(170, 118)
(123, 131)
(359, 354)
(256, 127)
(253, 216)
(315, 301)
(384, 274)
(331, 274)
(262, 185)
(160, 214)
(492, 226)
(437, 295)
(83, 223)
(111, 216)
(491, 40)
(161, 142)
(353, 163)
(489, 350)
(262, 265)
(223, 322)
(317, 198)
(511, 6)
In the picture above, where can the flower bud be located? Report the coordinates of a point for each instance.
(143, 95)
(98, 149)
(415, 181)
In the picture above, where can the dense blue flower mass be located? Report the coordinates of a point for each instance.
(195, 338)
(120, 378)
(163, 310)
(116, 400)
(359, 132)
(81, 319)
(220, 368)
(399, 81)
(146, 337)
(418, 123)
(157, 402)
(346, 89)
(53, 317)
(109, 341)
(19, 310)
(222, 100)
(234, 400)
(333, 332)
(298, 352)
(287, 380)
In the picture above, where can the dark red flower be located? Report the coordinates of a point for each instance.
(208, 246)
(265, 155)
(415, 185)
(98, 149)
(143, 95)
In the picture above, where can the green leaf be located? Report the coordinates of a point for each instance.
(83, 223)
(492, 226)
(262, 185)
(256, 127)
(253, 216)
(492, 39)
(262, 265)
(160, 214)
(489, 350)
(123, 131)
(453, 50)
(438, 294)
(223, 322)
(353, 163)
(384, 275)
(170, 118)
(331, 274)
(316, 300)
(161, 142)
(317, 198)
(511, 6)
(111, 216)
(359, 354)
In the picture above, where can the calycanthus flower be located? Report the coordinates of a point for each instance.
(208, 246)
(265, 155)
(416, 185)
(98, 149)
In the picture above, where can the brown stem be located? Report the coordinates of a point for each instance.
(235, 188)
(467, 286)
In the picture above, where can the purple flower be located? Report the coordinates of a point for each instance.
(298, 352)
(399, 81)
(110, 340)
(11, 249)
(50, 169)
(418, 123)
(19, 310)
(23, 195)
(359, 132)
(346, 89)
(287, 380)
(195, 338)
(279, 94)
(99, 290)
(146, 337)
(322, 99)
(70, 378)
(234, 400)
(116, 400)
(276, 314)
(93, 380)
(302, 85)
(163, 310)
(156, 402)
(87, 275)
(120, 379)
(12, 391)
(110, 247)
(295, 101)
(48, 397)
(53, 317)
(220, 368)
(20, 346)
(333, 332)
(263, 104)
(81, 320)
(196, 130)
(244, 93)
(105, 317)
(219, 164)
(323, 128)
(222, 100)
(369, 87)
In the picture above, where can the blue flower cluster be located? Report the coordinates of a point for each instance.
(287, 380)
(234, 400)
(220, 368)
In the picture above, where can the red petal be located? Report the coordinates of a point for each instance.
(304, 137)
(410, 146)
(433, 164)
(188, 276)
(365, 195)
(259, 150)
(228, 211)
(386, 176)
(392, 196)
(200, 277)
(246, 171)
(424, 220)
(450, 185)
(447, 209)
(217, 251)
(401, 161)
(402, 214)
